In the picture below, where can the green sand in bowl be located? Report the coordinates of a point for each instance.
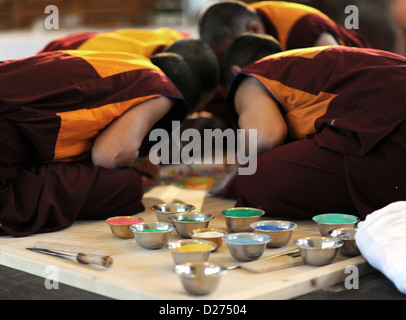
(242, 213)
(334, 218)
(152, 230)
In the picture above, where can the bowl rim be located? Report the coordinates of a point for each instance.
(334, 223)
(222, 212)
(173, 216)
(338, 242)
(154, 207)
(208, 229)
(183, 242)
(134, 230)
(246, 235)
(292, 226)
(222, 269)
(124, 217)
(353, 230)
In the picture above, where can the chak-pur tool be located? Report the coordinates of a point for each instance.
(286, 259)
(85, 258)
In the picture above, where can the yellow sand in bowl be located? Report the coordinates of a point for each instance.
(194, 247)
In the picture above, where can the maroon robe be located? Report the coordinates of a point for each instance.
(351, 158)
(52, 106)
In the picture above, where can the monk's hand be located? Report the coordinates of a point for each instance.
(147, 168)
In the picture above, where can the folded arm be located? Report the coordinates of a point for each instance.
(257, 110)
(118, 145)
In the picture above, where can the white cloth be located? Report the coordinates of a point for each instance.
(381, 238)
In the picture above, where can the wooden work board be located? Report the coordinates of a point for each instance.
(138, 273)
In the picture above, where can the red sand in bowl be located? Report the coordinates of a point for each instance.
(124, 220)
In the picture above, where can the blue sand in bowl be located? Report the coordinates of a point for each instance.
(244, 241)
(270, 227)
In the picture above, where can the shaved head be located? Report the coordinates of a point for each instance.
(225, 19)
(247, 49)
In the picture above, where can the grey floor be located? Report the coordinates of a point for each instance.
(17, 285)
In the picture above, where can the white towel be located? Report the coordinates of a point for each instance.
(381, 238)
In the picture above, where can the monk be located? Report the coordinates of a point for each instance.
(331, 130)
(293, 25)
(147, 43)
(74, 124)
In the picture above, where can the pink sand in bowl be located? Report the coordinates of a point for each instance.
(124, 220)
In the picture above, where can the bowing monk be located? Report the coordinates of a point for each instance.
(331, 130)
(72, 126)
(293, 25)
(147, 43)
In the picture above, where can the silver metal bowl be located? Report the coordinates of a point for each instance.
(165, 210)
(246, 246)
(240, 223)
(280, 231)
(330, 221)
(318, 251)
(347, 235)
(189, 250)
(152, 235)
(200, 278)
(185, 223)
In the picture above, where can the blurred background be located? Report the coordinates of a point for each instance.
(22, 30)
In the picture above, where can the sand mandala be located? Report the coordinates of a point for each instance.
(187, 177)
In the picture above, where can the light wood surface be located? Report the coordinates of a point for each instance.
(139, 273)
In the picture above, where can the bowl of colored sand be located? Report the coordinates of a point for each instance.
(190, 250)
(246, 246)
(209, 234)
(318, 251)
(280, 231)
(199, 278)
(120, 226)
(239, 219)
(330, 221)
(347, 235)
(185, 223)
(152, 235)
(165, 210)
